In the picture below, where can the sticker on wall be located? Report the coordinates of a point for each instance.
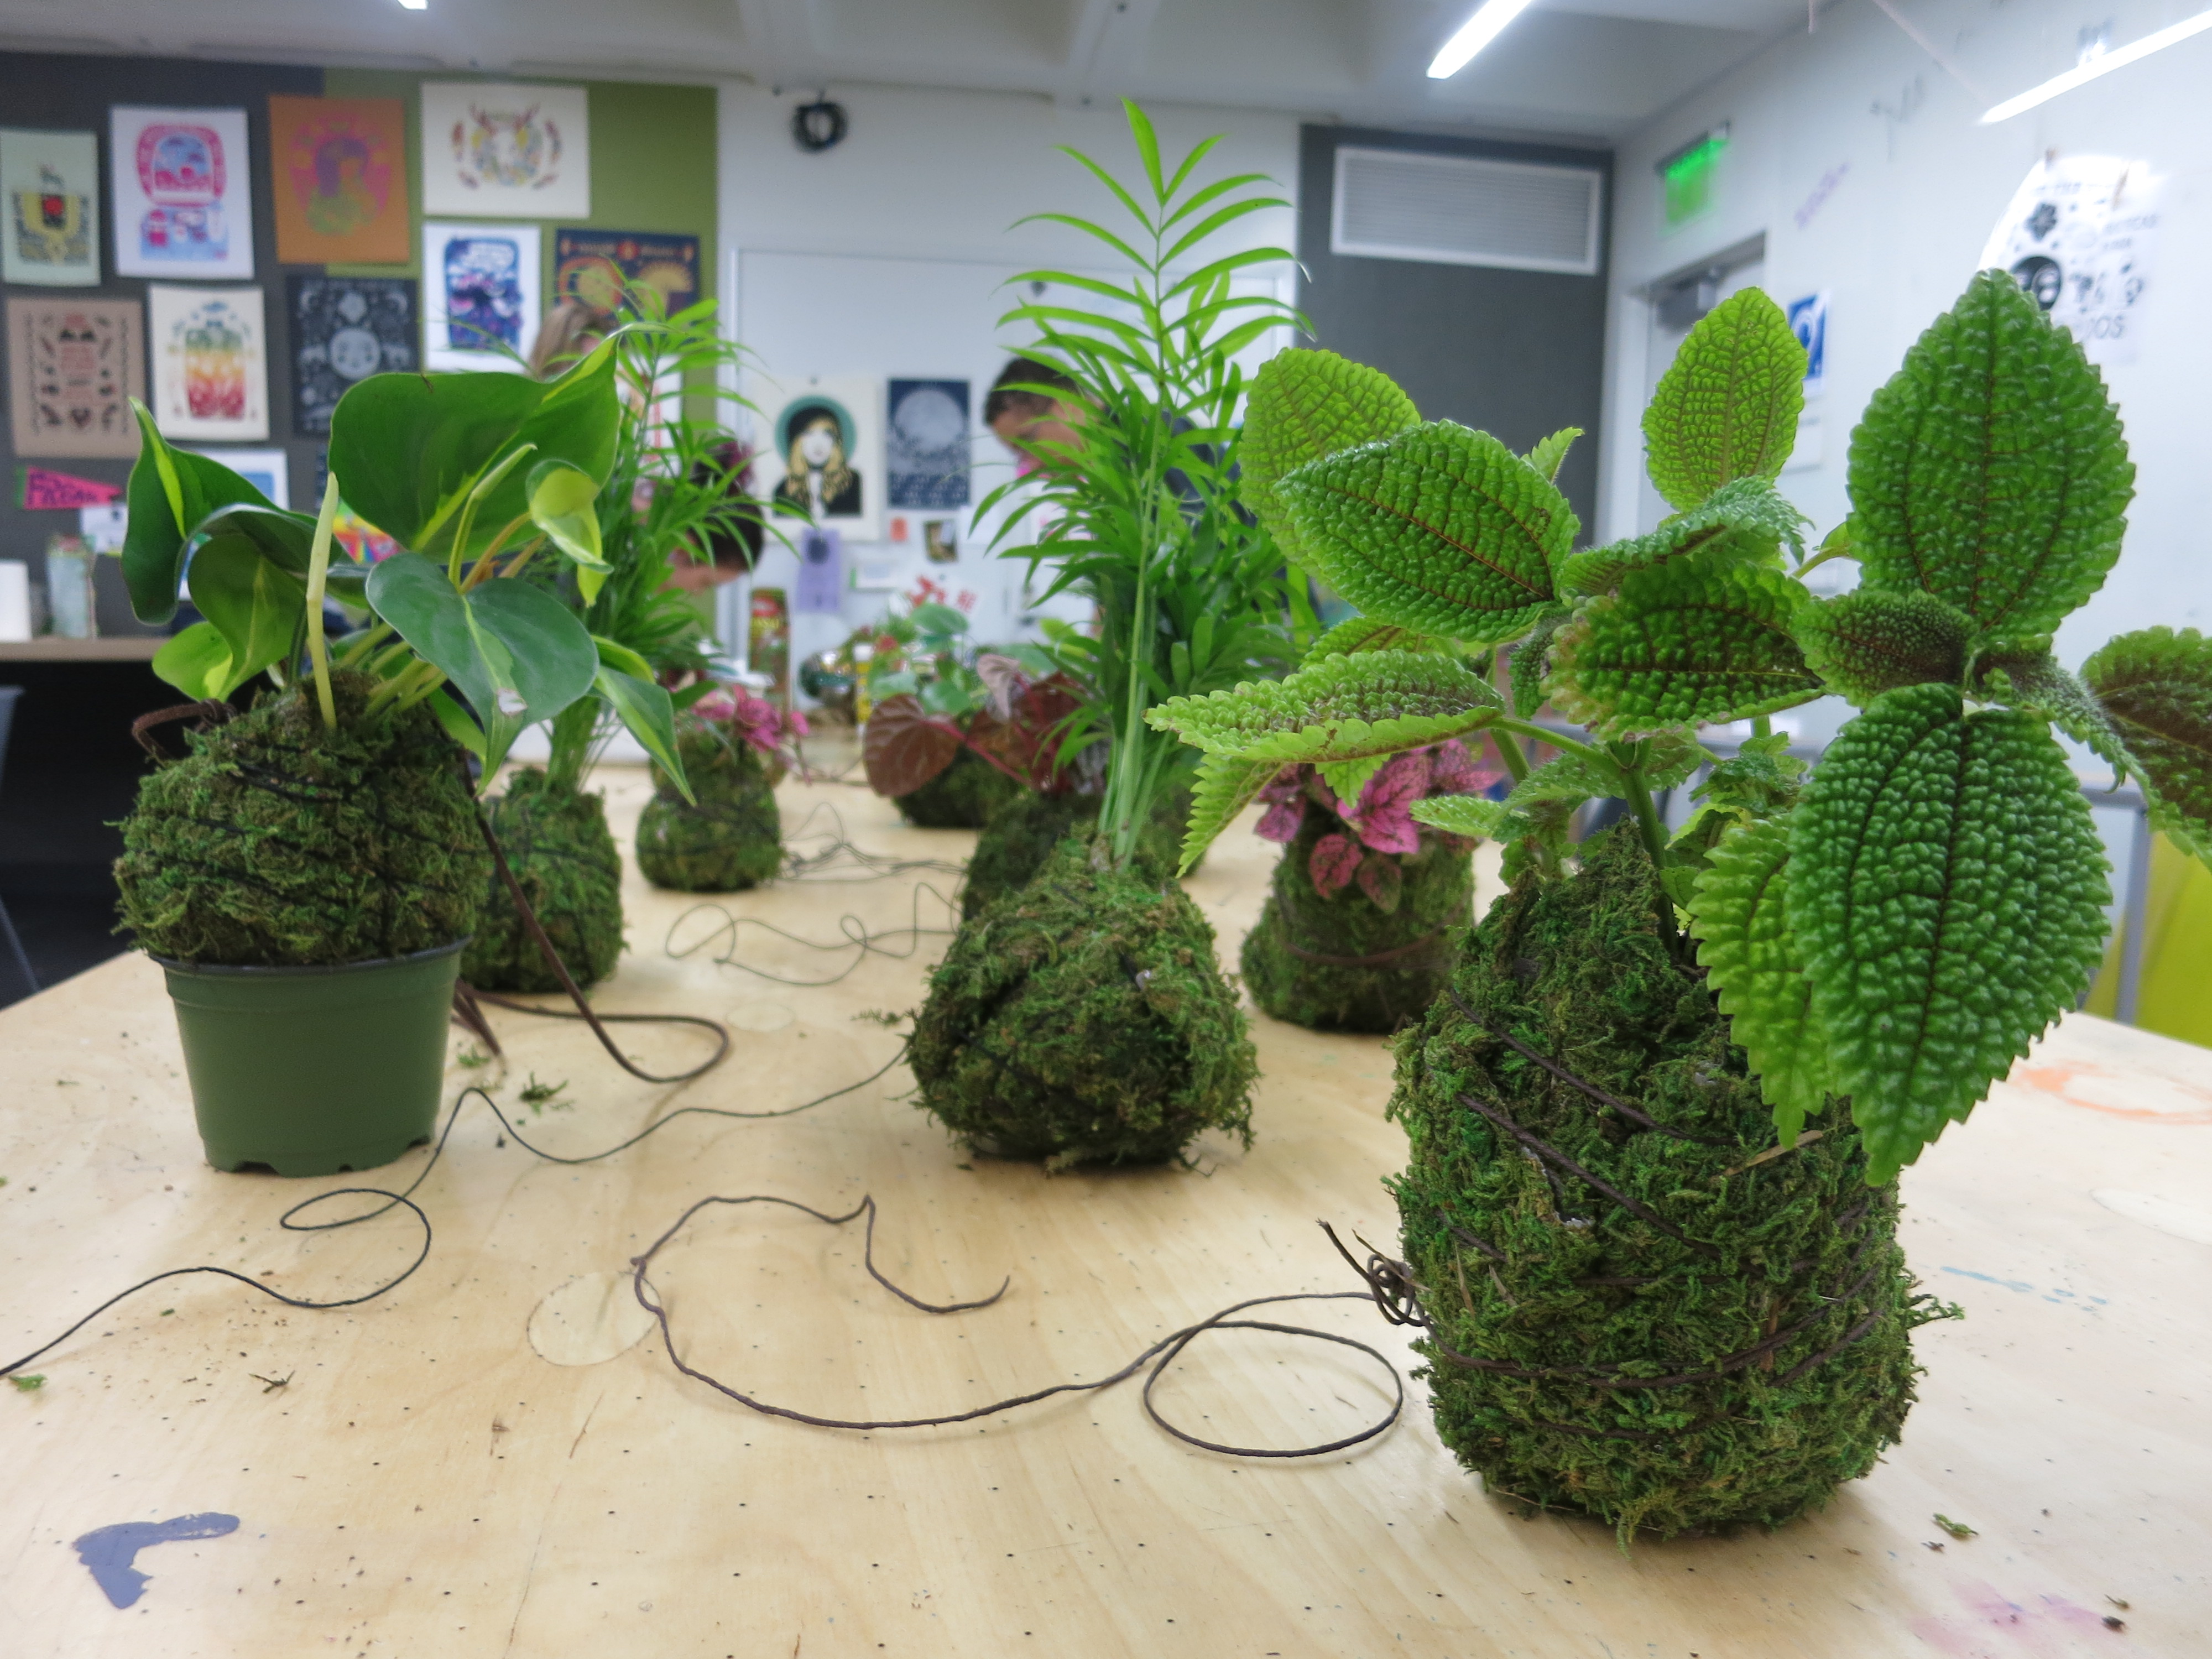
(2080, 236)
(210, 373)
(821, 587)
(73, 367)
(597, 266)
(345, 329)
(519, 152)
(925, 445)
(42, 490)
(340, 178)
(825, 453)
(1809, 321)
(51, 183)
(184, 197)
(480, 296)
(268, 471)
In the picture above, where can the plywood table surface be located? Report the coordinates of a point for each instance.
(496, 1458)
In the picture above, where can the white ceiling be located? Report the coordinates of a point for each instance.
(1584, 68)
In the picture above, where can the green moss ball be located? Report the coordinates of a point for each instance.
(1016, 842)
(556, 842)
(965, 795)
(730, 837)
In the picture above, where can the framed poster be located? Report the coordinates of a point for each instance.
(268, 471)
(825, 453)
(339, 170)
(51, 181)
(595, 266)
(926, 455)
(184, 195)
(345, 329)
(508, 151)
(73, 367)
(208, 348)
(480, 296)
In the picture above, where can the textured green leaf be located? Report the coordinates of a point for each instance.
(1682, 643)
(1569, 777)
(1346, 779)
(1728, 408)
(1531, 660)
(1306, 406)
(2023, 674)
(1224, 788)
(1762, 777)
(1747, 518)
(1947, 891)
(1440, 529)
(1357, 634)
(1548, 456)
(1990, 471)
(1740, 915)
(1866, 642)
(2156, 687)
(1471, 816)
(1342, 708)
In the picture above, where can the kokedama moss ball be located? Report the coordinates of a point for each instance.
(1776, 1291)
(1021, 836)
(732, 837)
(1084, 1021)
(1342, 962)
(557, 843)
(965, 795)
(276, 841)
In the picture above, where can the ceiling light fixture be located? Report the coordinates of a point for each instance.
(1478, 32)
(2093, 65)
(414, 5)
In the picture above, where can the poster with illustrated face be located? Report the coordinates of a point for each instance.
(51, 184)
(339, 166)
(597, 266)
(184, 196)
(825, 454)
(345, 329)
(210, 371)
(925, 445)
(73, 367)
(480, 296)
(268, 471)
(2080, 237)
(519, 152)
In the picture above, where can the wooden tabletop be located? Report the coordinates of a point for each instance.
(496, 1459)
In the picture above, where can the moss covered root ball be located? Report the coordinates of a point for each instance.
(1015, 844)
(278, 843)
(1713, 1341)
(557, 843)
(1084, 1021)
(732, 837)
(965, 795)
(1343, 962)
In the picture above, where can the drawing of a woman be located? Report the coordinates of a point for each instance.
(818, 477)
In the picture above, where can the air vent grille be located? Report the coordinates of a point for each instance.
(1462, 210)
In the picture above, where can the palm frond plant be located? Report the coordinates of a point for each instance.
(1084, 1018)
(1651, 1292)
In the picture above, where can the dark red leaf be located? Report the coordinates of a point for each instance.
(904, 748)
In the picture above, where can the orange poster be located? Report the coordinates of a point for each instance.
(340, 166)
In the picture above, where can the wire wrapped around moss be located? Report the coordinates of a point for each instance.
(556, 842)
(966, 795)
(1344, 962)
(279, 843)
(1020, 837)
(1633, 1316)
(732, 837)
(1084, 1021)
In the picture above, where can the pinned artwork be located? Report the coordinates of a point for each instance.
(506, 151)
(940, 540)
(51, 183)
(73, 367)
(183, 199)
(925, 445)
(268, 471)
(340, 177)
(597, 266)
(825, 454)
(481, 297)
(40, 489)
(2079, 236)
(210, 371)
(345, 329)
(1809, 321)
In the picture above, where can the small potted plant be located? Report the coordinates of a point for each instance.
(723, 834)
(1648, 1290)
(921, 663)
(309, 874)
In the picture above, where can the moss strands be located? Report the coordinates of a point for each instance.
(1084, 1020)
(730, 837)
(966, 795)
(1021, 836)
(556, 842)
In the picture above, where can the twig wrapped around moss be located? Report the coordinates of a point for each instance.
(1084, 1021)
(966, 795)
(277, 842)
(732, 837)
(557, 843)
(1646, 1321)
(1021, 835)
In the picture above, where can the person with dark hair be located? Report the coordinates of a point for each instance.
(1023, 416)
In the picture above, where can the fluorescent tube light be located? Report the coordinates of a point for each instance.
(415, 5)
(2082, 73)
(1478, 32)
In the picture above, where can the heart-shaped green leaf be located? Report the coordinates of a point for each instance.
(564, 503)
(170, 495)
(255, 606)
(647, 714)
(196, 660)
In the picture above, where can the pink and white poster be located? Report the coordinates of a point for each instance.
(183, 193)
(208, 350)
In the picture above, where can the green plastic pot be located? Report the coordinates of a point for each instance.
(310, 1071)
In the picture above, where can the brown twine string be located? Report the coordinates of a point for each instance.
(210, 711)
(1552, 1154)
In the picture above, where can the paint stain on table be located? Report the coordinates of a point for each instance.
(109, 1552)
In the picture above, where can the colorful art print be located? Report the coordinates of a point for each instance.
(345, 329)
(51, 183)
(506, 150)
(268, 471)
(210, 373)
(182, 200)
(481, 298)
(73, 367)
(926, 455)
(40, 489)
(822, 450)
(340, 175)
(598, 267)
(361, 539)
(940, 539)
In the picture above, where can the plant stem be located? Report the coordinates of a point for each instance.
(1761, 727)
(1654, 843)
(318, 571)
(371, 637)
(1510, 751)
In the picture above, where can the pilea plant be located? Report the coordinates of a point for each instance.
(1651, 1292)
